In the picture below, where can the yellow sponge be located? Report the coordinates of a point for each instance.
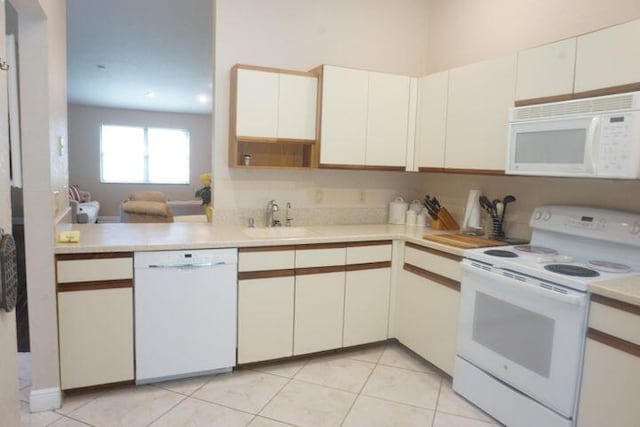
(72, 236)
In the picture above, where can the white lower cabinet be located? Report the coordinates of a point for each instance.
(611, 373)
(265, 318)
(319, 306)
(96, 337)
(427, 313)
(366, 306)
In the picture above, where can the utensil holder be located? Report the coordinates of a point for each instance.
(445, 221)
(497, 233)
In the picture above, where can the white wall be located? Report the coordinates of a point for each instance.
(301, 34)
(8, 357)
(42, 37)
(466, 31)
(84, 151)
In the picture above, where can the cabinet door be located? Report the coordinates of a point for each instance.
(610, 57)
(546, 70)
(257, 103)
(480, 96)
(431, 121)
(319, 304)
(96, 337)
(297, 105)
(610, 387)
(387, 119)
(366, 306)
(265, 319)
(344, 116)
(428, 319)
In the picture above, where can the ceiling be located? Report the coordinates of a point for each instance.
(120, 50)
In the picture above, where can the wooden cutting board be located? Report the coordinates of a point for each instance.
(463, 241)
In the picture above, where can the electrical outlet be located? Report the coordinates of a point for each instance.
(362, 195)
(319, 195)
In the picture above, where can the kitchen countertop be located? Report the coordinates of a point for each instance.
(127, 237)
(626, 289)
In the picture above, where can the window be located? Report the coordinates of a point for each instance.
(144, 155)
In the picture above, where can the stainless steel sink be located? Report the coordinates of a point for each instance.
(278, 232)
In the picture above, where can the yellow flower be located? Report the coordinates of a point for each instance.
(205, 178)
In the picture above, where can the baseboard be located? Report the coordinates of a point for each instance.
(46, 399)
(108, 219)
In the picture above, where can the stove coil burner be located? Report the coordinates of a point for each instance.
(609, 267)
(501, 253)
(538, 250)
(571, 270)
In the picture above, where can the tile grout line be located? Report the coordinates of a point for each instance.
(435, 411)
(360, 392)
(170, 409)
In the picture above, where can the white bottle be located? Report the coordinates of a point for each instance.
(411, 217)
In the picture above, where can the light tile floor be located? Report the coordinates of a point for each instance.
(385, 385)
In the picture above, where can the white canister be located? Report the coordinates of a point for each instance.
(411, 217)
(416, 206)
(421, 219)
(397, 210)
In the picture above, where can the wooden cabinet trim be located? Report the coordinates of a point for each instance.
(614, 342)
(434, 251)
(267, 274)
(312, 246)
(274, 70)
(368, 266)
(369, 243)
(436, 278)
(361, 167)
(97, 255)
(270, 140)
(492, 172)
(267, 249)
(94, 286)
(614, 303)
(612, 90)
(319, 270)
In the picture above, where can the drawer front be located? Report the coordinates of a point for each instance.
(94, 270)
(320, 257)
(432, 262)
(612, 321)
(366, 254)
(264, 261)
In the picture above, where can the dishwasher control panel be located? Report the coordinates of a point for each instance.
(194, 257)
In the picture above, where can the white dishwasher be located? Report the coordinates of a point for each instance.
(185, 313)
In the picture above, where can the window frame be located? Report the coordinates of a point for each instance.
(145, 130)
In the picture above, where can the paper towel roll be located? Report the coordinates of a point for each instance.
(472, 211)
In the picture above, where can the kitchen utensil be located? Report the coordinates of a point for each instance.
(505, 201)
(397, 209)
(486, 205)
(431, 209)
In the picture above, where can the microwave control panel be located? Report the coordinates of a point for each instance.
(618, 145)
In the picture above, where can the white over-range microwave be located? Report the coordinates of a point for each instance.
(592, 137)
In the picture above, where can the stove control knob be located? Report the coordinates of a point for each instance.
(546, 216)
(537, 215)
(636, 228)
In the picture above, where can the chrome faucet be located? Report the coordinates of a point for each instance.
(272, 207)
(287, 220)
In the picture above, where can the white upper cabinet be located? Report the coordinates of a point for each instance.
(480, 96)
(431, 121)
(546, 70)
(271, 104)
(297, 106)
(388, 118)
(257, 104)
(344, 116)
(610, 57)
(365, 118)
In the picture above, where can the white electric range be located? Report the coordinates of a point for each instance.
(523, 312)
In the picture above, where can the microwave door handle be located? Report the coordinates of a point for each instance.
(592, 146)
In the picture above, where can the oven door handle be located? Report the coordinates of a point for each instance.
(516, 284)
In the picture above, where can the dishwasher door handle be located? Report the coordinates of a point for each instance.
(188, 266)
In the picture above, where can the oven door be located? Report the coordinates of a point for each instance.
(556, 147)
(529, 336)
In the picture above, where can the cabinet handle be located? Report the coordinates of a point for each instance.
(188, 266)
(614, 342)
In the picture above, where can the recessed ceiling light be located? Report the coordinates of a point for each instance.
(150, 94)
(202, 98)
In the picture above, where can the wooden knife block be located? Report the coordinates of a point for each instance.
(445, 221)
